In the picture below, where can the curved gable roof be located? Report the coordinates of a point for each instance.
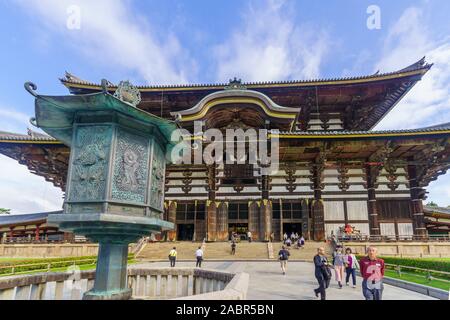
(269, 107)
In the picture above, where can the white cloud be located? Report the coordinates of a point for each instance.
(20, 190)
(406, 42)
(12, 120)
(111, 34)
(439, 191)
(271, 46)
(428, 103)
(23, 192)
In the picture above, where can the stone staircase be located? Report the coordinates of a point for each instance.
(160, 250)
(222, 250)
(244, 250)
(307, 253)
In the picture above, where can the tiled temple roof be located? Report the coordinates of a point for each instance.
(15, 219)
(31, 136)
(418, 67)
(441, 128)
(436, 129)
(437, 210)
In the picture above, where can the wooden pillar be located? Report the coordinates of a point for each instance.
(11, 233)
(317, 207)
(36, 235)
(265, 187)
(266, 209)
(254, 219)
(305, 219)
(172, 217)
(211, 223)
(222, 222)
(211, 206)
(374, 225)
(416, 203)
(266, 220)
(281, 220)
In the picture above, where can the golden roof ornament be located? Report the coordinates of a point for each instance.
(128, 93)
(235, 84)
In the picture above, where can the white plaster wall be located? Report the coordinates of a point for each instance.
(357, 210)
(333, 210)
(387, 229)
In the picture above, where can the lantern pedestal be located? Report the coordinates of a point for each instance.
(111, 272)
(115, 182)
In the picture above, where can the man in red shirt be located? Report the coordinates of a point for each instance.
(372, 271)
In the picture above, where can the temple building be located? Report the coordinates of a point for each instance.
(31, 227)
(334, 169)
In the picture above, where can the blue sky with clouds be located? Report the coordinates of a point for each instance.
(200, 41)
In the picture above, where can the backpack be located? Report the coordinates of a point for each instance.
(283, 255)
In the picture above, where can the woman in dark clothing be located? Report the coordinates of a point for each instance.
(322, 273)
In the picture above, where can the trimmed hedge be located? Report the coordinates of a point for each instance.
(50, 260)
(42, 260)
(41, 264)
(428, 263)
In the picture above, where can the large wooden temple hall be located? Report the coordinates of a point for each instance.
(334, 168)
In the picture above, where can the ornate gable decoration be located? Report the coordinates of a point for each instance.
(237, 124)
(235, 84)
(128, 93)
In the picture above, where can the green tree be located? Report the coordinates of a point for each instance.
(432, 204)
(5, 211)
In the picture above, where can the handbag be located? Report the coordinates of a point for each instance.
(328, 271)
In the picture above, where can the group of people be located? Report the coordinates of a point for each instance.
(198, 256)
(371, 268)
(235, 237)
(294, 238)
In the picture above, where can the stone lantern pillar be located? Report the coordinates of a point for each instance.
(115, 183)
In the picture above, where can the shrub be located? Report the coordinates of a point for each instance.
(41, 264)
(428, 263)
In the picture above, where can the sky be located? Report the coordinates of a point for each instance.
(203, 41)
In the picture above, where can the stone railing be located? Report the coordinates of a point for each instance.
(146, 283)
(236, 289)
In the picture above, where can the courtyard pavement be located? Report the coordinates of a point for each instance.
(268, 283)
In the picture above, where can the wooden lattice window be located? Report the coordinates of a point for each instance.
(292, 210)
(392, 209)
(237, 211)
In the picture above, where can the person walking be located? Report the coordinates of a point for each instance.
(199, 257)
(233, 248)
(338, 263)
(372, 272)
(351, 264)
(283, 256)
(322, 273)
(249, 236)
(272, 237)
(285, 236)
(173, 256)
